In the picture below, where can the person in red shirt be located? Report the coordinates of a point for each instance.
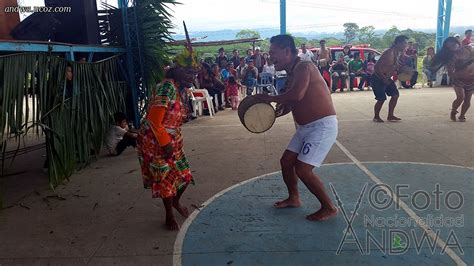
(467, 39)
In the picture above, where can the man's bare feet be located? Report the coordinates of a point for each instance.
(322, 214)
(378, 120)
(393, 118)
(181, 209)
(172, 224)
(288, 203)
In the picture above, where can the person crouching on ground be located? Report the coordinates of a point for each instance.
(119, 136)
(310, 100)
(460, 64)
(165, 168)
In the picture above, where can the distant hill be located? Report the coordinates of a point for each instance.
(227, 34)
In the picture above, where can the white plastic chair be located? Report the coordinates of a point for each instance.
(266, 81)
(222, 95)
(200, 96)
(439, 76)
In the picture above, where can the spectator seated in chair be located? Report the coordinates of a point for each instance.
(207, 81)
(409, 58)
(430, 74)
(356, 69)
(249, 77)
(339, 72)
(369, 67)
(221, 59)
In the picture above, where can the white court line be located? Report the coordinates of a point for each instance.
(178, 244)
(420, 163)
(405, 207)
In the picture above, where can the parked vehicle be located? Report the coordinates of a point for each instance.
(362, 49)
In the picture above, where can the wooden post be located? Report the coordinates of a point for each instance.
(8, 21)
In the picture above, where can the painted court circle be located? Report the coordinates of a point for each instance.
(239, 226)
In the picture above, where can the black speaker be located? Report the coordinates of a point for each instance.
(78, 25)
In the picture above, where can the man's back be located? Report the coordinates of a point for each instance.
(316, 102)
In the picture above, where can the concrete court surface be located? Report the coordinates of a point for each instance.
(103, 216)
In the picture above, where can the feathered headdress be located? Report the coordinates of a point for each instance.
(187, 58)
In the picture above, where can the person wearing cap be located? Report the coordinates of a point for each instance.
(458, 37)
(164, 165)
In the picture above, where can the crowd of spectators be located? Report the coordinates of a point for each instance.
(232, 76)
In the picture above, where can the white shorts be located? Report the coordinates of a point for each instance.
(314, 140)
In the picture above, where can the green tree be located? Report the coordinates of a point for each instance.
(333, 42)
(350, 31)
(389, 36)
(299, 41)
(367, 34)
(245, 34)
(422, 39)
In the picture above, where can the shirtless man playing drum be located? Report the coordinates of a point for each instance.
(382, 84)
(308, 96)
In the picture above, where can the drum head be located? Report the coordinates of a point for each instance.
(323, 62)
(259, 117)
(405, 74)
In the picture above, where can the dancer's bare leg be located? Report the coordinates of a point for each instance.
(457, 102)
(177, 205)
(465, 105)
(391, 109)
(171, 222)
(377, 107)
(305, 172)
(287, 162)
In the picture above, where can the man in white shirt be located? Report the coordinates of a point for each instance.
(306, 55)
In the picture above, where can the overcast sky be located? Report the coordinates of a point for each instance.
(310, 15)
(318, 15)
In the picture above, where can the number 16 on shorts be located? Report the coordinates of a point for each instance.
(306, 148)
